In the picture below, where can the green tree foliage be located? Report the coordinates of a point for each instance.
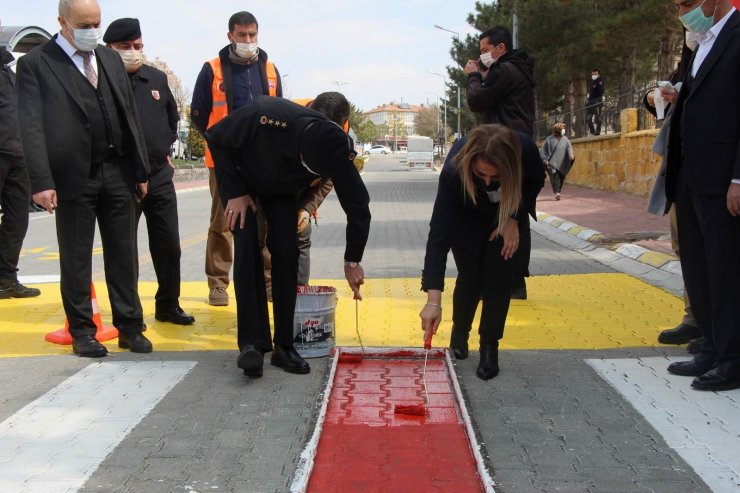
(196, 144)
(630, 41)
(365, 130)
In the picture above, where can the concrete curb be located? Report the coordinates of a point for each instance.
(659, 260)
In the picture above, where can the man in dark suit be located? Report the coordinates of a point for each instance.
(159, 118)
(703, 179)
(86, 159)
(271, 150)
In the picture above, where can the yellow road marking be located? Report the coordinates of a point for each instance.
(591, 311)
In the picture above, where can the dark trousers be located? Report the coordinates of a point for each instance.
(160, 209)
(523, 253)
(709, 240)
(482, 274)
(593, 116)
(108, 198)
(557, 179)
(253, 322)
(14, 199)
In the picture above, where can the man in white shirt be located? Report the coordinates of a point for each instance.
(703, 179)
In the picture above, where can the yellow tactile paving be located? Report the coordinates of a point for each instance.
(589, 311)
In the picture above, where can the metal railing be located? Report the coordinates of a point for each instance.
(577, 122)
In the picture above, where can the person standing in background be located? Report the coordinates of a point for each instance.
(159, 118)
(557, 154)
(595, 102)
(240, 73)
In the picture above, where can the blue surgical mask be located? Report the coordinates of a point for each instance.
(695, 21)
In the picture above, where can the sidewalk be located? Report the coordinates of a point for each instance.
(610, 219)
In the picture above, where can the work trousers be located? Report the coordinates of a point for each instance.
(108, 198)
(160, 209)
(14, 199)
(253, 323)
(483, 274)
(219, 256)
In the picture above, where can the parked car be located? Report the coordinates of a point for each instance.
(379, 149)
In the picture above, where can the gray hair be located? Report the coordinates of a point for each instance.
(65, 6)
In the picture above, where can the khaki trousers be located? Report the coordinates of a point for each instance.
(219, 253)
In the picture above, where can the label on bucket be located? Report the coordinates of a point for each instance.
(313, 323)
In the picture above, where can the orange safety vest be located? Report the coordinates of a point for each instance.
(219, 110)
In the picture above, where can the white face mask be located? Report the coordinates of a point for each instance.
(246, 50)
(85, 39)
(487, 59)
(132, 59)
(594, 77)
(562, 132)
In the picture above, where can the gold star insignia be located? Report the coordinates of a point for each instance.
(285, 125)
(270, 121)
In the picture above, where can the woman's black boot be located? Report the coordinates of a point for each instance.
(488, 366)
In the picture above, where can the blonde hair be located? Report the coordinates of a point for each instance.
(501, 147)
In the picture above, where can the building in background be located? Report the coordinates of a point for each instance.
(396, 122)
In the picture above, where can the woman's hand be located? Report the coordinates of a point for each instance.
(510, 234)
(431, 313)
(236, 209)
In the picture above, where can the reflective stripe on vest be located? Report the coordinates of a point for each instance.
(219, 110)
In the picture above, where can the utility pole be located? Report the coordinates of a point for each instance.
(339, 84)
(515, 27)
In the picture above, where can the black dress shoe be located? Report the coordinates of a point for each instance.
(18, 290)
(679, 335)
(135, 341)
(488, 365)
(88, 347)
(694, 346)
(251, 360)
(175, 315)
(287, 358)
(699, 365)
(725, 376)
(459, 343)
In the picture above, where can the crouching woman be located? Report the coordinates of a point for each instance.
(488, 184)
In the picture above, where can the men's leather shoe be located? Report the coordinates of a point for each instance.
(699, 365)
(488, 365)
(287, 358)
(725, 376)
(135, 341)
(88, 347)
(175, 315)
(459, 343)
(18, 290)
(695, 345)
(251, 360)
(679, 335)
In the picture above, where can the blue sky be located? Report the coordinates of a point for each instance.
(382, 48)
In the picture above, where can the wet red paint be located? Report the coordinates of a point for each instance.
(365, 446)
(350, 358)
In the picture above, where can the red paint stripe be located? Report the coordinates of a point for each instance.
(364, 446)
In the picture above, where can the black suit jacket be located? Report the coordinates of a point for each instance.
(705, 133)
(259, 150)
(55, 129)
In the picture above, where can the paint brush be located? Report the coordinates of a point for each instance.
(416, 410)
(355, 358)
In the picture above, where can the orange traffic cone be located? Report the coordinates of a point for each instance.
(103, 333)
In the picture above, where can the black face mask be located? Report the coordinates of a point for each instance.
(481, 185)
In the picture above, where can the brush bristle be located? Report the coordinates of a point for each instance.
(410, 410)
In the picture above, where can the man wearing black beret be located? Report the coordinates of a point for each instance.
(271, 150)
(159, 117)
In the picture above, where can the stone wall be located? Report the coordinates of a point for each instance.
(622, 162)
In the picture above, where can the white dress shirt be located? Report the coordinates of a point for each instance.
(706, 42)
(76, 58)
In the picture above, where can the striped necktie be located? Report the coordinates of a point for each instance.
(89, 71)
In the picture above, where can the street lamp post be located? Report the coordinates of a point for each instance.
(458, 99)
(457, 38)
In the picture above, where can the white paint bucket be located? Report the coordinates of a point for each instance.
(313, 322)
